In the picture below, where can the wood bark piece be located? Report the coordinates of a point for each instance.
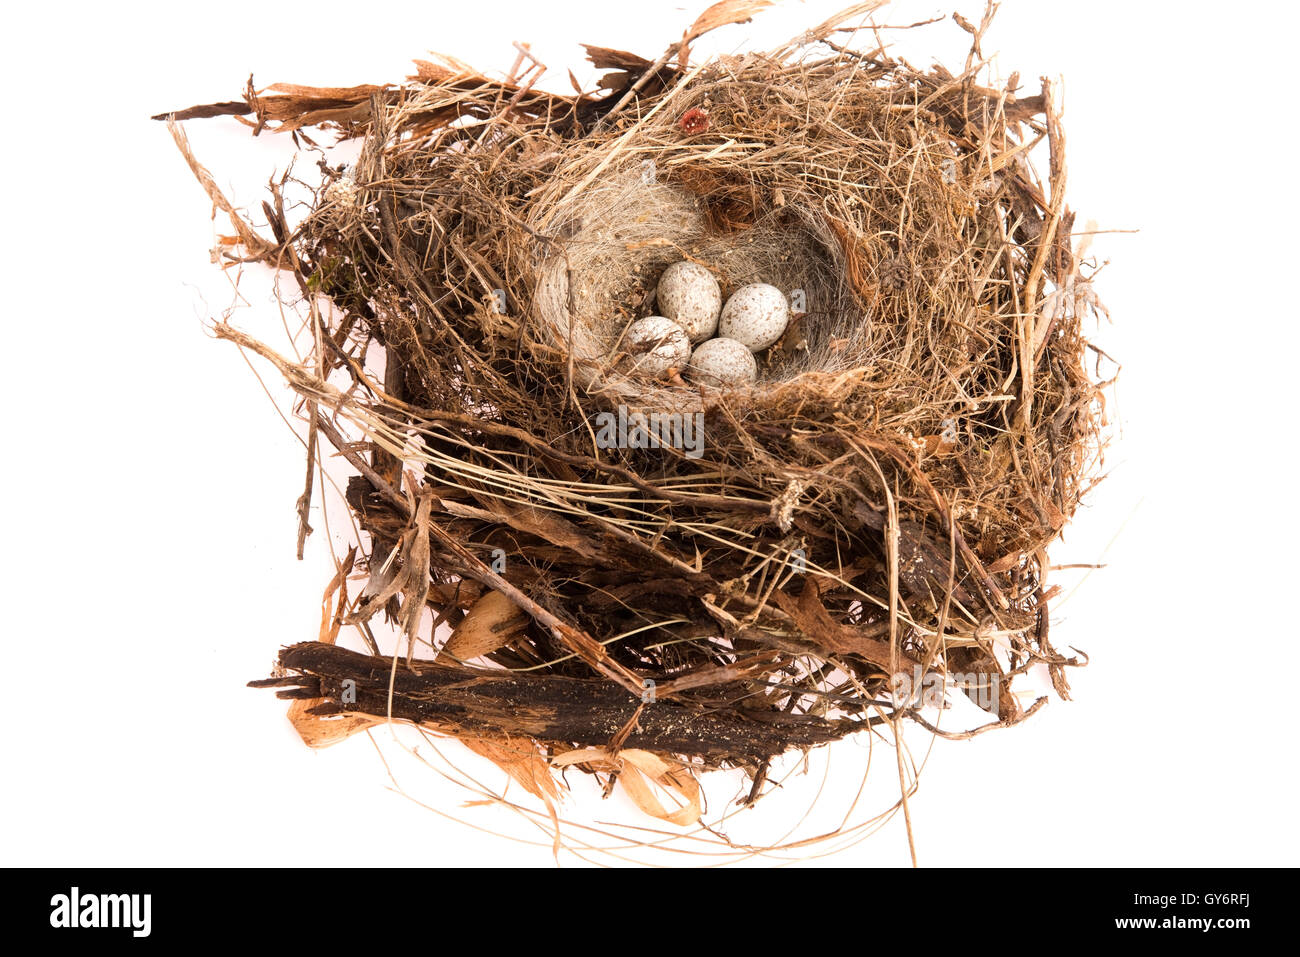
(559, 711)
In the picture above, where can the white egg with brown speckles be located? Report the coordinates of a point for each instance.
(689, 296)
(722, 363)
(656, 344)
(755, 316)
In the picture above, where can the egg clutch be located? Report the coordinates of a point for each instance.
(713, 344)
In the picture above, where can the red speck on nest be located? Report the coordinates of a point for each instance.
(694, 121)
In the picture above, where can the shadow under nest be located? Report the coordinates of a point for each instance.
(878, 504)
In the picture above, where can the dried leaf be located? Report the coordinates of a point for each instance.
(520, 759)
(637, 771)
(978, 662)
(320, 731)
(442, 67)
(1007, 562)
(724, 13)
(816, 623)
(605, 58)
(671, 777)
(490, 624)
(330, 623)
(352, 94)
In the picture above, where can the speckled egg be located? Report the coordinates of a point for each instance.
(689, 295)
(656, 344)
(723, 363)
(755, 316)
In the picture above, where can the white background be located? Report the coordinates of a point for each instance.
(149, 485)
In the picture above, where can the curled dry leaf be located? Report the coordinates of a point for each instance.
(637, 771)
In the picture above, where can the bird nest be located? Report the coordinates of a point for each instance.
(804, 556)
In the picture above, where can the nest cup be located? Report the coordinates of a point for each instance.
(622, 234)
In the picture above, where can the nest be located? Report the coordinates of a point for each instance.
(871, 516)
